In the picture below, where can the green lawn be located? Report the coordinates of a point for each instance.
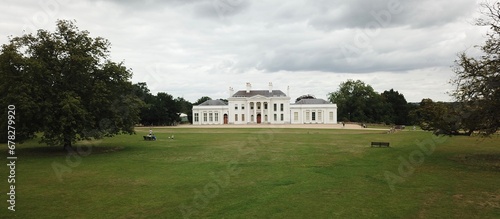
(260, 173)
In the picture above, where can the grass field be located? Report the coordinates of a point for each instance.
(260, 173)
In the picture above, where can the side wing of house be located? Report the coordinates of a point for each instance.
(313, 111)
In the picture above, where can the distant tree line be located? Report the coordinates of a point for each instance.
(358, 102)
(160, 109)
(163, 109)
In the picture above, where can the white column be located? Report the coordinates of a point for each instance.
(254, 120)
(247, 116)
(261, 112)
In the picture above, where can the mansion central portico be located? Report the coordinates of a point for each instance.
(258, 106)
(263, 106)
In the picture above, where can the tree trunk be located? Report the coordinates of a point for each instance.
(470, 132)
(67, 144)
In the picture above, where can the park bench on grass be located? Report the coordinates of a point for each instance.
(148, 138)
(380, 144)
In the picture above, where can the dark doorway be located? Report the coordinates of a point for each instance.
(259, 118)
(225, 119)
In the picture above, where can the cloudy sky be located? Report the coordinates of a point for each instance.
(194, 48)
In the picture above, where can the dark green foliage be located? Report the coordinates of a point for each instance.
(64, 86)
(305, 96)
(162, 109)
(446, 118)
(201, 100)
(399, 107)
(185, 107)
(358, 102)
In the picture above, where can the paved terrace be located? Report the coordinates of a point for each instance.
(306, 126)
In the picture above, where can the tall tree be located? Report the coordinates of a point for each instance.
(358, 102)
(478, 79)
(64, 86)
(167, 109)
(399, 107)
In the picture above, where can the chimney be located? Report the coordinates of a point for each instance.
(249, 87)
(231, 91)
(270, 87)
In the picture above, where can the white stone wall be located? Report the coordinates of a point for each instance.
(313, 114)
(246, 110)
(272, 110)
(209, 115)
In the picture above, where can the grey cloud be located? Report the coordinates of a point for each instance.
(290, 42)
(361, 14)
(220, 9)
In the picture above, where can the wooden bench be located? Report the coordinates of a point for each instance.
(148, 138)
(380, 144)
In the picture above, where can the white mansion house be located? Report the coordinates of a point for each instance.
(264, 106)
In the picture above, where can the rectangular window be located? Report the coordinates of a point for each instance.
(196, 117)
(307, 116)
(296, 116)
(242, 117)
(265, 105)
(313, 116)
(236, 117)
(265, 118)
(320, 116)
(281, 107)
(331, 116)
(216, 117)
(275, 117)
(282, 117)
(204, 117)
(275, 107)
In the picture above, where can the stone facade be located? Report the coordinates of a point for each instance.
(263, 107)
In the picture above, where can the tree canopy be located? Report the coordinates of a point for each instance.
(305, 96)
(399, 108)
(477, 79)
(65, 87)
(358, 102)
(201, 100)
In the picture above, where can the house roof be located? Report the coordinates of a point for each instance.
(312, 101)
(265, 93)
(213, 103)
